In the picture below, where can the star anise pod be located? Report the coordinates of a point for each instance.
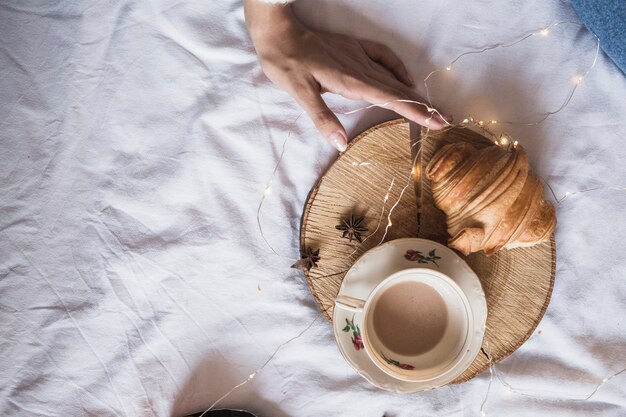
(352, 228)
(309, 259)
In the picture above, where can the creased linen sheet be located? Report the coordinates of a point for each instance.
(137, 138)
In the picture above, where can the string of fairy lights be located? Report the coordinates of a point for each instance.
(531, 393)
(502, 139)
(259, 369)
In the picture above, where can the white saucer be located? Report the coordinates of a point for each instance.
(377, 264)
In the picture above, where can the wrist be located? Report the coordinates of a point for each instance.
(269, 21)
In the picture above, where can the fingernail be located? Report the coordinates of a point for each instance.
(431, 122)
(339, 141)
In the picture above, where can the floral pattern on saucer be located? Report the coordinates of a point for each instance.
(398, 364)
(382, 261)
(417, 256)
(357, 339)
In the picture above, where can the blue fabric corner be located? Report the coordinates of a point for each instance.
(607, 19)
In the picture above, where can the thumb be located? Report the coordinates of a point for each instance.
(324, 119)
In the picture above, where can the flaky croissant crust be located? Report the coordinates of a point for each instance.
(490, 197)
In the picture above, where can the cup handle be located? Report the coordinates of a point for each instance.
(350, 303)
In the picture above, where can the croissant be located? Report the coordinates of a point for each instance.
(490, 197)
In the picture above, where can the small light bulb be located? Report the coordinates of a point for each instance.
(427, 121)
(496, 142)
(493, 122)
(482, 413)
(449, 67)
(267, 191)
(567, 193)
(504, 140)
(515, 143)
(544, 31)
(579, 79)
(465, 121)
(604, 380)
(480, 123)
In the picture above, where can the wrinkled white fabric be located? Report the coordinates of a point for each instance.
(136, 140)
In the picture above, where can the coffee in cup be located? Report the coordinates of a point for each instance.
(415, 324)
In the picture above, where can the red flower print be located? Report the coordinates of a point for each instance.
(416, 256)
(357, 341)
(413, 255)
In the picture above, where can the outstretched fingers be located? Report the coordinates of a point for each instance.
(387, 58)
(309, 98)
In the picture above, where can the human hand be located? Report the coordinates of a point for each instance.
(308, 63)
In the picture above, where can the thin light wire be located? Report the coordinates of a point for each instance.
(409, 182)
(259, 369)
(268, 188)
(430, 109)
(559, 200)
(433, 111)
(571, 94)
(527, 392)
(389, 222)
(538, 31)
(484, 126)
(380, 218)
(482, 412)
(588, 190)
(506, 44)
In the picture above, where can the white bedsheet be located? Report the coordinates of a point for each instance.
(136, 139)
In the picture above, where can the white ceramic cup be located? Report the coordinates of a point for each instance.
(441, 358)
